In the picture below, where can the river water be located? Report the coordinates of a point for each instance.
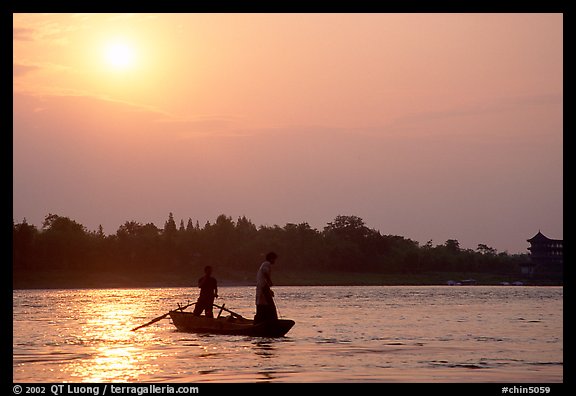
(342, 334)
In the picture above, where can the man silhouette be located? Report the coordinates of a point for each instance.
(265, 307)
(208, 292)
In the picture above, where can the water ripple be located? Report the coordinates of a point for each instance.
(368, 334)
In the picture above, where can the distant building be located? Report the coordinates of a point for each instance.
(546, 256)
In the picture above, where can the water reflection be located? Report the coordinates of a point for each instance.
(114, 364)
(264, 348)
(268, 375)
(406, 334)
(116, 355)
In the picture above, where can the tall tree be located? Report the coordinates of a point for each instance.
(348, 227)
(170, 227)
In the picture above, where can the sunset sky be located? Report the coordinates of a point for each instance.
(428, 126)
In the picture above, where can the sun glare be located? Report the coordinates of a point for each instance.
(119, 55)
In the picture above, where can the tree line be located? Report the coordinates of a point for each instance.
(63, 245)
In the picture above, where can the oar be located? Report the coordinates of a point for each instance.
(161, 317)
(227, 310)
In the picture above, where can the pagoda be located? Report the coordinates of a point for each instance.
(546, 255)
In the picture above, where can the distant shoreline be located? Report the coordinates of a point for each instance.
(105, 281)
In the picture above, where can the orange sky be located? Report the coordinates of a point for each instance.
(430, 126)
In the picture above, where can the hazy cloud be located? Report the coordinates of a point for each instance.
(538, 100)
(22, 34)
(482, 108)
(52, 33)
(155, 119)
(20, 69)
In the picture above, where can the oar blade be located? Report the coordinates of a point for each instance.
(159, 318)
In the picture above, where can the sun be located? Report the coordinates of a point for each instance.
(120, 55)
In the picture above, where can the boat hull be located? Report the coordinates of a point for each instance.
(187, 322)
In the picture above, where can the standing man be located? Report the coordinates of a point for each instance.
(208, 292)
(265, 307)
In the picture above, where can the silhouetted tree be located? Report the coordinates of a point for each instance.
(170, 227)
(63, 243)
(23, 245)
(189, 225)
(452, 245)
(347, 227)
(235, 249)
(485, 249)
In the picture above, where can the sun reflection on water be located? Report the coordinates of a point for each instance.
(117, 352)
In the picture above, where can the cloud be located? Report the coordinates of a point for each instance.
(538, 100)
(49, 33)
(111, 113)
(482, 108)
(23, 34)
(21, 69)
(220, 125)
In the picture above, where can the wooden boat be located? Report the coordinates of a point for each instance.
(234, 324)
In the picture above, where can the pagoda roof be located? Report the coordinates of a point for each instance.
(539, 237)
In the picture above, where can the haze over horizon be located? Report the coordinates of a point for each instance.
(428, 126)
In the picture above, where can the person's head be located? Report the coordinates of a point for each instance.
(271, 257)
(208, 270)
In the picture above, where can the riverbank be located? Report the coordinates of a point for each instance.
(53, 280)
(424, 279)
